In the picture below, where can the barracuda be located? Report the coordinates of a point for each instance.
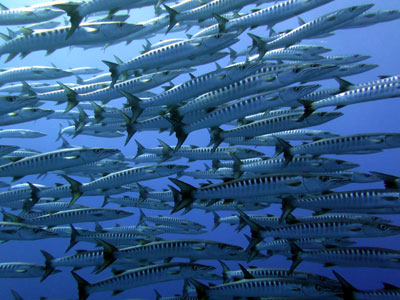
(229, 275)
(31, 73)
(226, 205)
(250, 85)
(27, 15)
(302, 164)
(79, 260)
(350, 144)
(49, 161)
(150, 158)
(323, 24)
(361, 257)
(20, 133)
(257, 186)
(260, 287)
(53, 39)
(267, 16)
(22, 270)
(118, 239)
(363, 199)
(372, 17)
(95, 168)
(170, 221)
(359, 95)
(346, 70)
(275, 221)
(308, 50)
(24, 115)
(269, 139)
(187, 248)
(127, 201)
(240, 109)
(208, 153)
(342, 59)
(143, 276)
(17, 231)
(73, 216)
(131, 175)
(172, 52)
(270, 125)
(268, 114)
(282, 246)
(328, 229)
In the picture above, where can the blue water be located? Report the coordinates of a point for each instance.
(380, 41)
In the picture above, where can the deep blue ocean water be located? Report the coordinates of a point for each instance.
(380, 41)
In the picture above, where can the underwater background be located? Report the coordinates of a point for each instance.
(380, 41)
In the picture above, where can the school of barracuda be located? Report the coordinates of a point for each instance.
(266, 96)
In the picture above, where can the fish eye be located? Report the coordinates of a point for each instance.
(195, 267)
(36, 230)
(10, 99)
(97, 150)
(297, 89)
(34, 110)
(324, 178)
(296, 70)
(217, 36)
(242, 67)
(318, 288)
(382, 226)
(165, 72)
(121, 24)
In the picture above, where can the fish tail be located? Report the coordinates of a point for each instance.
(82, 286)
(47, 264)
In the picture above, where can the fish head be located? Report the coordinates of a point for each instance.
(247, 153)
(323, 182)
(390, 14)
(170, 169)
(35, 233)
(242, 70)
(223, 250)
(392, 139)
(163, 76)
(317, 49)
(310, 72)
(95, 154)
(355, 69)
(192, 270)
(115, 29)
(321, 117)
(315, 289)
(360, 177)
(320, 134)
(337, 165)
(218, 41)
(116, 213)
(379, 229)
(350, 12)
(297, 92)
(35, 112)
